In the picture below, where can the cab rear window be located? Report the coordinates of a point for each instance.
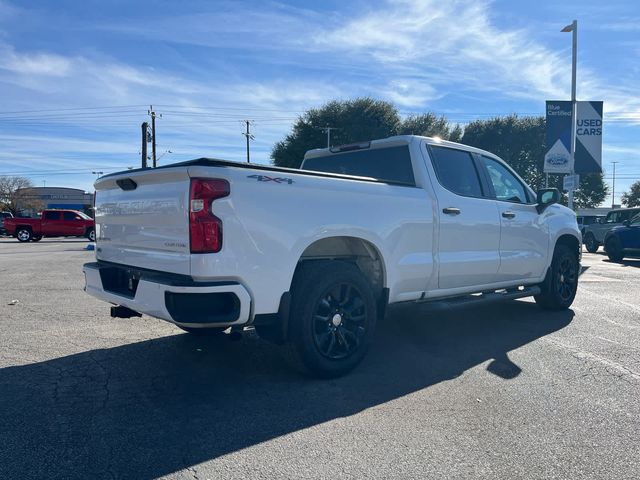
(392, 164)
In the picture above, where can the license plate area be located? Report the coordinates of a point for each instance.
(121, 281)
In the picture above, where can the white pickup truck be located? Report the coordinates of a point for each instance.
(313, 257)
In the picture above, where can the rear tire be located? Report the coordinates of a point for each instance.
(333, 318)
(590, 243)
(561, 285)
(614, 249)
(24, 234)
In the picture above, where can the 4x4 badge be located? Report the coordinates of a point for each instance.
(265, 178)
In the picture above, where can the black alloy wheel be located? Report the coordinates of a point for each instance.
(333, 318)
(339, 321)
(566, 278)
(560, 286)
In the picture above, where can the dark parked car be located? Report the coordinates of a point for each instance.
(623, 241)
(594, 234)
(4, 215)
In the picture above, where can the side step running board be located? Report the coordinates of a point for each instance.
(479, 299)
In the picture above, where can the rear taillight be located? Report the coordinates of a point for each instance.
(204, 227)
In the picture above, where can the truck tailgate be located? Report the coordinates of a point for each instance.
(142, 219)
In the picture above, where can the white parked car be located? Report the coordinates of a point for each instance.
(313, 257)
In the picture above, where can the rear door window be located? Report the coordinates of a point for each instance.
(391, 164)
(52, 215)
(456, 171)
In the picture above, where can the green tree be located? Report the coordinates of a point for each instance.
(632, 197)
(593, 191)
(520, 141)
(355, 121)
(429, 125)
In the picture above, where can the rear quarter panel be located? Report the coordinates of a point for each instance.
(11, 224)
(268, 225)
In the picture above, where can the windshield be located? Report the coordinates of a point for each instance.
(84, 216)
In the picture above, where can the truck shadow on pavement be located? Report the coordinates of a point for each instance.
(159, 406)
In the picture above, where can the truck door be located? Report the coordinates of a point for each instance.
(72, 224)
(50, 224)
(524, 238)
(469, 223)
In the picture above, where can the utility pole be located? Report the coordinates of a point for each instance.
(248, 136)
(145, 141)
(574, 59)
(328, 130)
(153, 115)
(613, 193)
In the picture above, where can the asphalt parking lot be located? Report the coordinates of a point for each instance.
(503, 391)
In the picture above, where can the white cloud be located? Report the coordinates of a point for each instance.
(47, 64)
(457, 40)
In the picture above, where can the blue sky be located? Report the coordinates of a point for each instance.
(77, 77)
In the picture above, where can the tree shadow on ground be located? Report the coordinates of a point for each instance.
(155, 407)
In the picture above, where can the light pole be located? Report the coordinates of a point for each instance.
(613, 192)
(98, 174)
(573, 27)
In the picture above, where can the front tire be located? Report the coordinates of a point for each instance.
(333, 318)
(24, 234)
(614, 249)
(561, 285)
(590, 243)
(91, 236)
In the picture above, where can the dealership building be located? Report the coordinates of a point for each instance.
(59, 197)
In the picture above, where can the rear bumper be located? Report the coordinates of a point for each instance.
(175, 298)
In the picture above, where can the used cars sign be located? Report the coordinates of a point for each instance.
(588, 156)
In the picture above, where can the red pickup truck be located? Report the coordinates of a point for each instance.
(52, 223)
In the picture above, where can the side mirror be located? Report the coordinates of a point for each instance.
(626, 223)
(546, 197)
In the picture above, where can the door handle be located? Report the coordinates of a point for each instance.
(451, 211)
(508, 214)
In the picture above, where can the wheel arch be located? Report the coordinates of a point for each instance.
(363, 253)
(570, 240)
